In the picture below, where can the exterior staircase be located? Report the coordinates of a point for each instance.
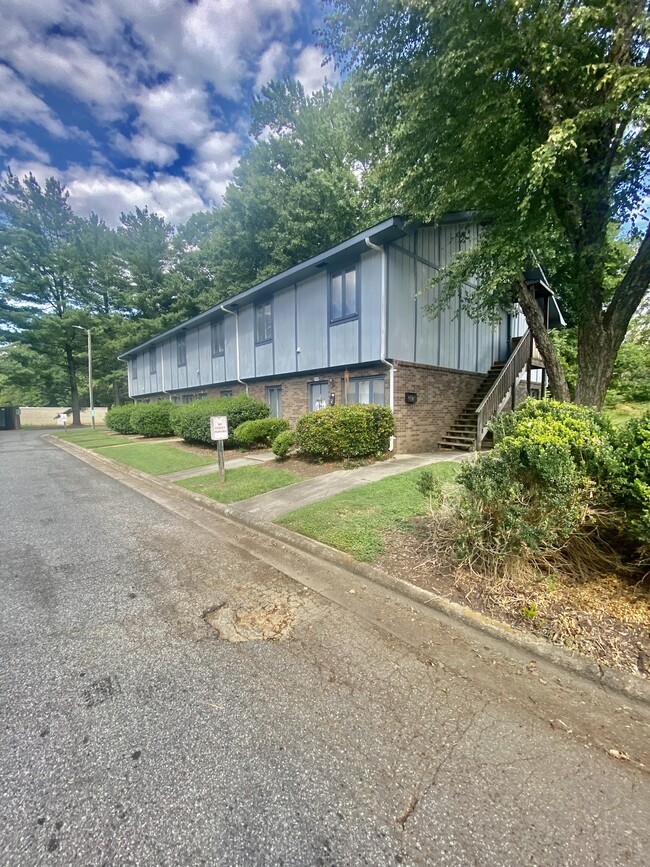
(462, 434)
(470, 431)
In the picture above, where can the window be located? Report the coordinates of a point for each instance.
(263, 323)
(202, 395)
(188, 398)
(134, 368)
(318, 395)
(181, 355)
(152, 361)
(366, 390)
(343, 295)
(227, 393)
(274, 400)
(218, 343)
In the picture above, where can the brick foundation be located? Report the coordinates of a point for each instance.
(441, 396)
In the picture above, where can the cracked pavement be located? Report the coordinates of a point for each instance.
(377, 733)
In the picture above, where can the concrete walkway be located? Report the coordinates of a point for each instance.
(271, 505)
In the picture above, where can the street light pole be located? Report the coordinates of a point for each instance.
(90, 373)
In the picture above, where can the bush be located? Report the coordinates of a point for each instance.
(351, 431)
(282, 444)
(260, 432)
(192, 422)
(633, 441)
(550, 462)
(153, 419)
(118, 418)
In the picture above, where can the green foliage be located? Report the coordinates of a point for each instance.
(429, 485)
(153, 419)
(155, 458)
(283, 443)
(192, 422)
(260, 432)
(545, 137)
(633, 442)
(530, 493)
(118, 418)
(530, 611)
(352, 431)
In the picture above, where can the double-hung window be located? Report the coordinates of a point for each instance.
(263, 323)
(152, 362)
(181, 353)
(134, 368)
(343, 294)
(218, 342)
(274, 400)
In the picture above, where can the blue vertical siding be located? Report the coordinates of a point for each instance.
(284, 330)
(370, 277)
(312, 323)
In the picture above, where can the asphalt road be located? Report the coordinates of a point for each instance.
(134, 733)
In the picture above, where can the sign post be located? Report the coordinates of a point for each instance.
(219, 432)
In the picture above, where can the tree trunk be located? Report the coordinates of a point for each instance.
(116, 392)
(596, 357)
(535, 320)
(74, 393)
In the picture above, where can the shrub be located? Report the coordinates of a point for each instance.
(633, 441)
(351, 431)
(118, 418)
(550, 463)
(260, 432)
(192, 422)
(282, 443)
(153, 419)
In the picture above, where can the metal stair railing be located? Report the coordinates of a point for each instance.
(502, 385)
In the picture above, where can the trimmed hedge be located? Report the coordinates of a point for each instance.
(153, 419)
(633, 441)
(118, 418)
(192, 422)
(282, 443)
(260, 432)
(345, 431)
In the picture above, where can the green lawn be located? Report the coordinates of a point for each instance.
(623, 412)
(155, 458)
(356, 520)
(241, 483)
(90, 440)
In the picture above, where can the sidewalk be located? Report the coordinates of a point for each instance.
(273, 504)
(260, 457)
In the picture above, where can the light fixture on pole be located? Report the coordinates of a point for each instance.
(90, 372)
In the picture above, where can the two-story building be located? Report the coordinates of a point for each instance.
(352, 324)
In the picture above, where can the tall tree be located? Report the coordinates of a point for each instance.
(533, 113)
(38, 267)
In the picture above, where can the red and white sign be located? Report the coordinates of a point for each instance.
(219, 427)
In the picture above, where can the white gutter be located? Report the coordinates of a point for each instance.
(234, 313)
(383, 330)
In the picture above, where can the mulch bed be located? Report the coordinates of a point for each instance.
(605, 617)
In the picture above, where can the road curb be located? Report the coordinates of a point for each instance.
(629, 685)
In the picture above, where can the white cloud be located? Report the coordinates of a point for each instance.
(19, 104)
(175, 112)
(11, 145)
(216, 159)
(147, 149)
(271, 64)
(310, 72)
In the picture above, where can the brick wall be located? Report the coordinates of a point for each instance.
(442, 394)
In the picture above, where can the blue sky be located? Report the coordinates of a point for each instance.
(143, 102)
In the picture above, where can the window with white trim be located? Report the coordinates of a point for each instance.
(366, 389)
(152, 362)
(274, 400)
(343, 294)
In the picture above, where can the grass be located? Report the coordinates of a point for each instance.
(155, 458)
(241, 483)
(623, 412)
(91, 440)
(356, 520)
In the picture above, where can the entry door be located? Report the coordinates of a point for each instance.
(318, 395)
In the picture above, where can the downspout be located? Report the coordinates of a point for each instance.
(382, 331)
(234, 313)
(162, 371)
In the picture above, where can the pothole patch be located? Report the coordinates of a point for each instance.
(269, 623)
